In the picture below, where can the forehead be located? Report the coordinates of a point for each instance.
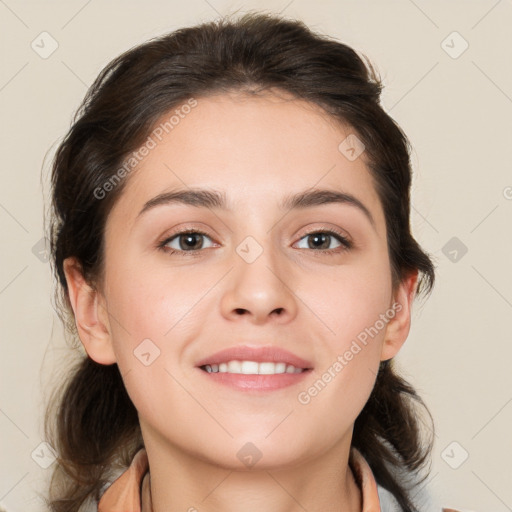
(251, 147)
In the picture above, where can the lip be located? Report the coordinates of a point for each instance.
(257, 354)
(255, 384)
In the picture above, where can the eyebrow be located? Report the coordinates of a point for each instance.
(202, 198)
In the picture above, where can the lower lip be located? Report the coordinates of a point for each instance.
(244, 382)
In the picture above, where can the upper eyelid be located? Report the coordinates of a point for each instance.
(344, 238)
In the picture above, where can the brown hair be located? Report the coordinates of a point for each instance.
(91, 422)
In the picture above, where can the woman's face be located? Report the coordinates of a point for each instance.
(265, 273)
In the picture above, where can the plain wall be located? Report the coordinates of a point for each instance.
(456, 110)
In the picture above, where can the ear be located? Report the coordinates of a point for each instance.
(91, 316)
(398, 327)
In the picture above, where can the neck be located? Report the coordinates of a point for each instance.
(181, 481)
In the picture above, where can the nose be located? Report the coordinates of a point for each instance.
(260, 291)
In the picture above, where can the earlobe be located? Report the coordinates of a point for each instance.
(91, 317)
(398, 327)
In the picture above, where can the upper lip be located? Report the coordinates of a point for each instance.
(257, 354)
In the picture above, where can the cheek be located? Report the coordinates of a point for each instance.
(152, 315)
(351, 309)
(359, 320)
(151, 303)
(350, 301)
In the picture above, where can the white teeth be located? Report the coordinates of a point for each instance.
(247, 367)
(280, 367)
(252, 368)
(267, 369)
(234, 367)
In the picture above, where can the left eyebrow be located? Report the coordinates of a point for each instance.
(203, 198)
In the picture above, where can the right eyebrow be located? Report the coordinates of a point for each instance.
(192, 197)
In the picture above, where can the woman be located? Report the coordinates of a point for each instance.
(231, 237)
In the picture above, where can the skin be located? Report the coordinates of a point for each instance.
(257, 150)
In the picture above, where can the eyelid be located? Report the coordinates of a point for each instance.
(346, 243)
(168, 238)
(328, 229)
(344, 239)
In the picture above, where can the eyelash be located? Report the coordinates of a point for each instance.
(346, 244)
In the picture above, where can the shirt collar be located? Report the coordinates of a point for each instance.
(130, 491)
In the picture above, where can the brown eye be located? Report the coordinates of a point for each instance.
(328, 241)
(187, 241)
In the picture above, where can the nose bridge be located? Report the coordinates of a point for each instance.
(258, 284)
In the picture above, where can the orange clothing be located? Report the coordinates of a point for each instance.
(130, 491)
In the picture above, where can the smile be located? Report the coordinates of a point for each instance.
(252, 368)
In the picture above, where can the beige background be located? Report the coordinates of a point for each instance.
(457, 113)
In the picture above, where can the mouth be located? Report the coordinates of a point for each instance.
(242, 376)
(257, 369)
(252, 368)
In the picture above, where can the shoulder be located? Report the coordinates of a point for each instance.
(388, 502)
(124, 493)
